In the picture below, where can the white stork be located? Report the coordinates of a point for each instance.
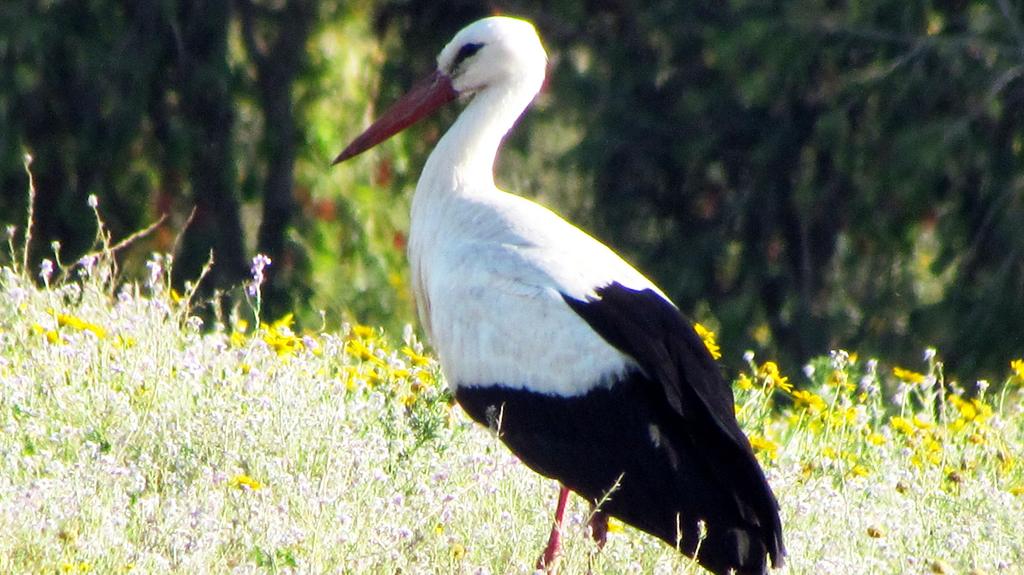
(594, 376)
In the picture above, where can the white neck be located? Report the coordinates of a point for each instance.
(463, 161)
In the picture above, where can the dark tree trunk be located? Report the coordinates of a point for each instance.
(276, 41)
(204, 78)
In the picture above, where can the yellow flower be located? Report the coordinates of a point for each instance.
(859, 470)
(357, 348)
(981, 410)
(176, 297)
(237, 339)
(458, 551)
(362, 331)
(708, 337)
(374, 378)
(280, 337)
(243, 481)
(875, 532)
(744, 382)
(764, 445)
(875, 438)
(769, 371)
(614, 525)
(809, 400)
(934, 451)
(842, 416)
(902, 425)
(81, 325)
(907, 375)
(966, 409)
(417, 359)
(1017, 366)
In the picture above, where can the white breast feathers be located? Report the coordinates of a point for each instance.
(490, 272)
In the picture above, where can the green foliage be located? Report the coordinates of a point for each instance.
(73, 88)
(357, 219)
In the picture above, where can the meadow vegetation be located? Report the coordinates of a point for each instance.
(134, 437)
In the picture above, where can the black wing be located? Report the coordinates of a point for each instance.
(643, 325)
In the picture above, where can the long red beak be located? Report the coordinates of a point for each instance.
(428, 95)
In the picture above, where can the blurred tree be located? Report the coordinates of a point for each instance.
(111, 98)
(74, 88)
(200, 33)
(276, 36)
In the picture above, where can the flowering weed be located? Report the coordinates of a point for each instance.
(135, 441)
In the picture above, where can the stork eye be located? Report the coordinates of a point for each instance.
(465, 52)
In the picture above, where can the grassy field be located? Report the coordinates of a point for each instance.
(135, 439)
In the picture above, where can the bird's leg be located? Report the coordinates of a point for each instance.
(598, 526)
(547, 559)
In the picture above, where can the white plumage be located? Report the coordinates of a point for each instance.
(489, 285)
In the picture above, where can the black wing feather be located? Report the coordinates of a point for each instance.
(651, 330)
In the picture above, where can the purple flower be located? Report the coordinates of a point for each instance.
(259, 263)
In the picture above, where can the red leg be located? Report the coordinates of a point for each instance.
(547, 559)
(599, 527)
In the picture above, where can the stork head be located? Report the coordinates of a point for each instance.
(496, 50)
(492, 53)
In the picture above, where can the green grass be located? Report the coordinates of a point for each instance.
(133, 439)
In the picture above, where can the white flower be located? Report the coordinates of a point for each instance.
(93, 201)
(46, 270)
(156, 270)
